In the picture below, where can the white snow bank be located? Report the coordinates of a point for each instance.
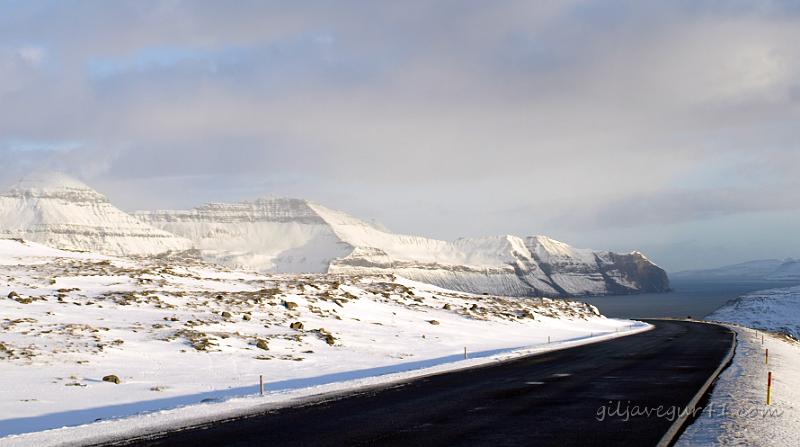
(737, 413)
(18, 252)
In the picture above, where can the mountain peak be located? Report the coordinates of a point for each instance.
(50, 180)
(52, 184)
(57, 210)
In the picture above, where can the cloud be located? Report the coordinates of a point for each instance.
(32, 55)
(678, 206)
(522, 112)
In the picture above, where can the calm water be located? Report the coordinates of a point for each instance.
(695, 298)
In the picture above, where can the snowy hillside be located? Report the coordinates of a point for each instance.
(765, 269)
(64, 213)
(177, 331)
(774, 310)
(291, 235)
(270, 235)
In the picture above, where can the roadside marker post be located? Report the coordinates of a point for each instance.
(548, 339)
(465, 352)
(261, 384)
(766, 356)
(769, 388)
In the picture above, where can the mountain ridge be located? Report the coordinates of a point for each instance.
(325, 240)
(288, 235)
(761, 269)
(61, 212)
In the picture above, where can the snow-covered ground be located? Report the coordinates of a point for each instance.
(188, 340)
(737, 413)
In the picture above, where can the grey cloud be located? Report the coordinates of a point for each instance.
(449, 108)
(671, 207)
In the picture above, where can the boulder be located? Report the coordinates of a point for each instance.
(111, 378)
(290, 305)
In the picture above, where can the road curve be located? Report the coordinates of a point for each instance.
(555, 398)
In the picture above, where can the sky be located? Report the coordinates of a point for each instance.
(672, 128)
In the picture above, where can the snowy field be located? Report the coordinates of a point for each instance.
(737, 414)
(188, 340)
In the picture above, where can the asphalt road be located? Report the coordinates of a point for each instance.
(550, 399)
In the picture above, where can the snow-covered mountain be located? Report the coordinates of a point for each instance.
(61, 212)
(297, 236)
(291, 235)
(764, 269)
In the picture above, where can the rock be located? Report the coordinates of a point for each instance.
(246, 317)
(447, 306)
(290, 305)
(262, 344)
(329, 339)
(226, 315)
(434, 322)
(111, 378)
(202, 344)
(298, 326)
(13, 295)
(474, 307)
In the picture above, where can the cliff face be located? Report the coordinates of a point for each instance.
(61, 212)
(269, 235)
(290, 235)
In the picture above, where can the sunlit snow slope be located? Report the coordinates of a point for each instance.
(291, 235)
(61, 212)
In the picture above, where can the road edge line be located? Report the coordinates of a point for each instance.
(676, 429)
